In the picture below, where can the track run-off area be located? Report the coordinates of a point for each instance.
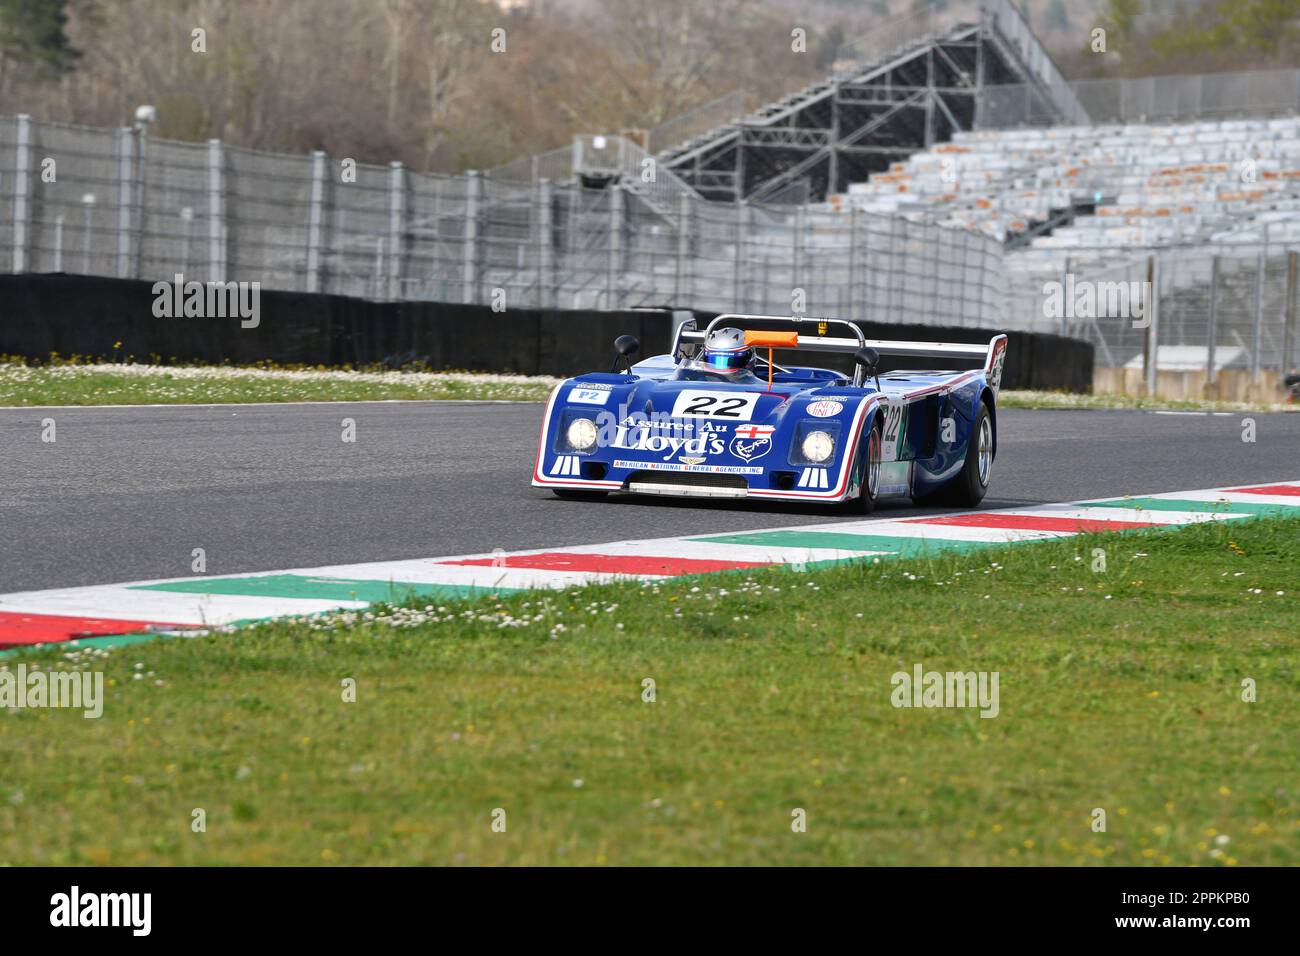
(103, 526)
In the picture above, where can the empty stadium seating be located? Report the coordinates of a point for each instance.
(1152, 185)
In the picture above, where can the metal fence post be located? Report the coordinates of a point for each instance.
(396, 215)
(1289, 323)
(615, 262)
(851, 304)
(796, 269)
(22, 170)
(738, 265)
(140, 136)
(216, 215)
(473, 192)
(125, 178)
(545, 245)
(1258, 329)
(315, 219)
(1151, 343)
(1066, 307)
(891, 276)
(1212, 330)
(682, 280)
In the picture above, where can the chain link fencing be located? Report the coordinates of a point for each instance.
(120, 202)
(1147, 99)
(1216, 320)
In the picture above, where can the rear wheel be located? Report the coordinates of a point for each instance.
(969, 487)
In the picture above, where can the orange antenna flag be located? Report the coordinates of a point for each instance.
(769, 341)
(772, 340)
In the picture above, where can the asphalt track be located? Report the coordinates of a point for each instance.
(126, 494)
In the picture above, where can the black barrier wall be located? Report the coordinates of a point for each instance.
(101, 317)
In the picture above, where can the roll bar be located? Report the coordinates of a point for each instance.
(826, 343)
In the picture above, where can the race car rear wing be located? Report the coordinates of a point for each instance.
(993, 353)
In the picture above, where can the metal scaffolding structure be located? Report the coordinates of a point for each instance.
(901, 88)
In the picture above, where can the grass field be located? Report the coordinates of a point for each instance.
(75, 383)
(1118, 689)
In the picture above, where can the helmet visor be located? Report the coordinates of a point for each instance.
(727, 361)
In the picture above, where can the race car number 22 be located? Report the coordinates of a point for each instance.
(735, 406)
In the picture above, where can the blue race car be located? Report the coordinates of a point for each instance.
(718, 418)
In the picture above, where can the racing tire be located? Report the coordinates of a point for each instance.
(865, 502)
(573, 494)
(967, 490)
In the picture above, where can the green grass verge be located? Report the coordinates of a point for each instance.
(1045, 399)
(69, 382)
(131, 384)
(1119, 689)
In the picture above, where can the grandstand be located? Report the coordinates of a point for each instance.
(1135, 185)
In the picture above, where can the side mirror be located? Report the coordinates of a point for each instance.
(626, 346)
(869, 359)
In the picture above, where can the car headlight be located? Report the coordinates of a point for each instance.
(818, 446)
(581, 434)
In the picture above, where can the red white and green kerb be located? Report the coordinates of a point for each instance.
(124, 613)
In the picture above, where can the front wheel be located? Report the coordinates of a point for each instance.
(865, 503)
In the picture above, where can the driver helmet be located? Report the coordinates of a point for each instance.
(725, 351)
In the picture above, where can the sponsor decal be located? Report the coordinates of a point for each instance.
(696, 469)
(814, 478)
(824, 409)
(662, 421)
(641, 438)
(699, 403)
(691, 460)
(565, 465)
(585, 395)
(752, 441)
